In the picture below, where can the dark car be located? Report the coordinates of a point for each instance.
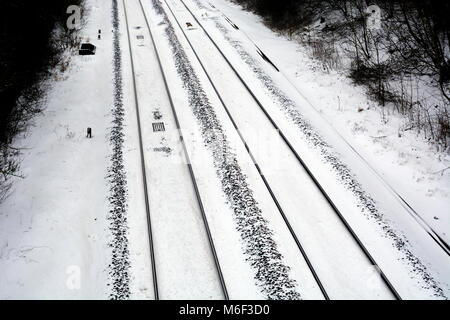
(87, 49)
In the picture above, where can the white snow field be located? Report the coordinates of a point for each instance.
(77, 225)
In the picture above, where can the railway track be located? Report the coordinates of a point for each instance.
(188, 162)
(416, 216)
(297, 241)
(365, 251)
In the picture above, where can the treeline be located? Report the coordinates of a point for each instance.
(26, 49)
(412, 44)
(285, 15)
(29, 48)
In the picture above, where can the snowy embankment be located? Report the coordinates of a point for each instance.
(53, 227)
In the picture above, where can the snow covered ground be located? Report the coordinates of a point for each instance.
(72, 230)
(184, 264)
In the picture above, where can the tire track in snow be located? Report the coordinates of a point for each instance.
(271, 274)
